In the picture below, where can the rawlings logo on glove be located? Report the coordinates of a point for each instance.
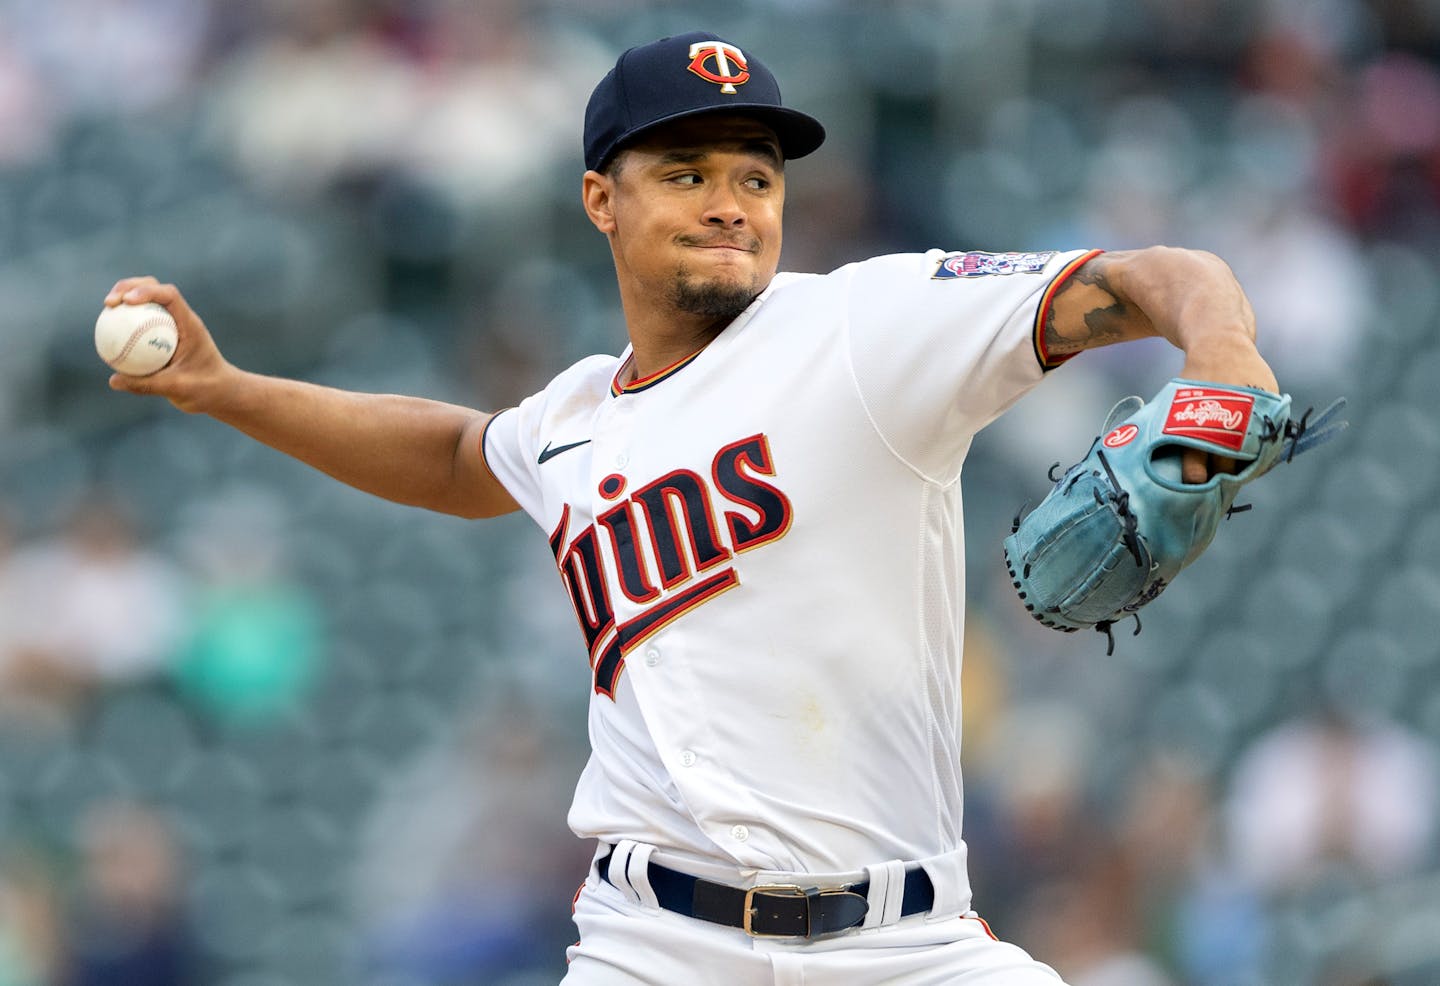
(1216, 416)
(1120, 524)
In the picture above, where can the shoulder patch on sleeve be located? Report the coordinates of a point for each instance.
(980, 264)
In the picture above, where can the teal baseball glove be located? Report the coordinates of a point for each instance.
(1119, 525)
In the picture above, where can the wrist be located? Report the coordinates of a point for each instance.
(223, 392)
(1229, 358)
(1220, 341)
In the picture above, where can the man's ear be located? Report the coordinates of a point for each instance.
(598, 193)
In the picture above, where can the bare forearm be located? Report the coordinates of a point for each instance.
(414, 451)
(400, 448)
(1188, 297)
(1175, 294)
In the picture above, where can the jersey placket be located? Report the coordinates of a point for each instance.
(658, 666)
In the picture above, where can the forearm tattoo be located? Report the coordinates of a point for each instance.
(1086, 312)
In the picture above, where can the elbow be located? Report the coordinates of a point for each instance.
(1175, 272)
(1185, 262)
(471, 505)
(490, 500)
(481, 512)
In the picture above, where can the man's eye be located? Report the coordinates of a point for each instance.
(686, 179)
(759, 184)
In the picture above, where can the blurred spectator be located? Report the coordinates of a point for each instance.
(1087, 922)
(500, 103)
(1262, 210)
(1384, 160)
(460, 96)
(1026, 816)
(26, 121)
(1306, 278)
(313, 98)
(1138, 176)
(256, 641)
(1197, 918)
(29, 920)
(539, 315)
(1304, 272)
(467, 869)
(10, 600)
(1330, 791)
(101, 57)
(94, 608)
(128, 926)
(1295, 55)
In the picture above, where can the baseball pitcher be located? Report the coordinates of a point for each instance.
(755, 510)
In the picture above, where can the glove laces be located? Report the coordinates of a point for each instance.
(1121, 503)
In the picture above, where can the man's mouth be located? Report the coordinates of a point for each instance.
(741, 246)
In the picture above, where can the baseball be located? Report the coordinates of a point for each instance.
(136, 339)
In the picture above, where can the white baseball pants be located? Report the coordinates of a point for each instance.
(626, 943)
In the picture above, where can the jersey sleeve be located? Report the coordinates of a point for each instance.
(942, 343)
(508, 446)
(512, 442)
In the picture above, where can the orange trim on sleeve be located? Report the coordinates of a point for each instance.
(1047, 362)
(984, 924)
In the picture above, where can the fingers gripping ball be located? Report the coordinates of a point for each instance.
(136, 339)
(1120, 524)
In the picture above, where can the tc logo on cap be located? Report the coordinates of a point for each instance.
(730, 68)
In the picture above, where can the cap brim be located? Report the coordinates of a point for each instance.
(798, 133)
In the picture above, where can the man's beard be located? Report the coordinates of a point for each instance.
(719, 301)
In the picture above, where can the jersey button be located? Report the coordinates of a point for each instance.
(739, 833)
(687, 758)
(622, 460)
(652, 657)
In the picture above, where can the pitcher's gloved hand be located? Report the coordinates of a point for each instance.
(1120, 524)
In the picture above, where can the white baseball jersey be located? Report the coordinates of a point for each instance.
(763, 547)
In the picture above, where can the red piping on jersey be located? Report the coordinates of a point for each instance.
(983, 923)
(641, 383)
(1047, 362)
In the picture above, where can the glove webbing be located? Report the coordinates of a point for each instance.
(1305, 434)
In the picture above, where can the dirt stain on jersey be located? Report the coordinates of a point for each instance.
(812, 717)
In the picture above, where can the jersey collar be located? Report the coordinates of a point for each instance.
(646, 382)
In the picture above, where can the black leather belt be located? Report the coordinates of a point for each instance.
(775, 910)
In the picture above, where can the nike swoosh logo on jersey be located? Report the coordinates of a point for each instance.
(547, 453)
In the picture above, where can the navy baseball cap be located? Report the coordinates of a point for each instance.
(683, 76)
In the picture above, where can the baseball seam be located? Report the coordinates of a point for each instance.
(135, 336)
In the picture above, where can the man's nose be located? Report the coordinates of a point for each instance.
(723, 209)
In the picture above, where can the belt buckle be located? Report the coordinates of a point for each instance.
(781, 889)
